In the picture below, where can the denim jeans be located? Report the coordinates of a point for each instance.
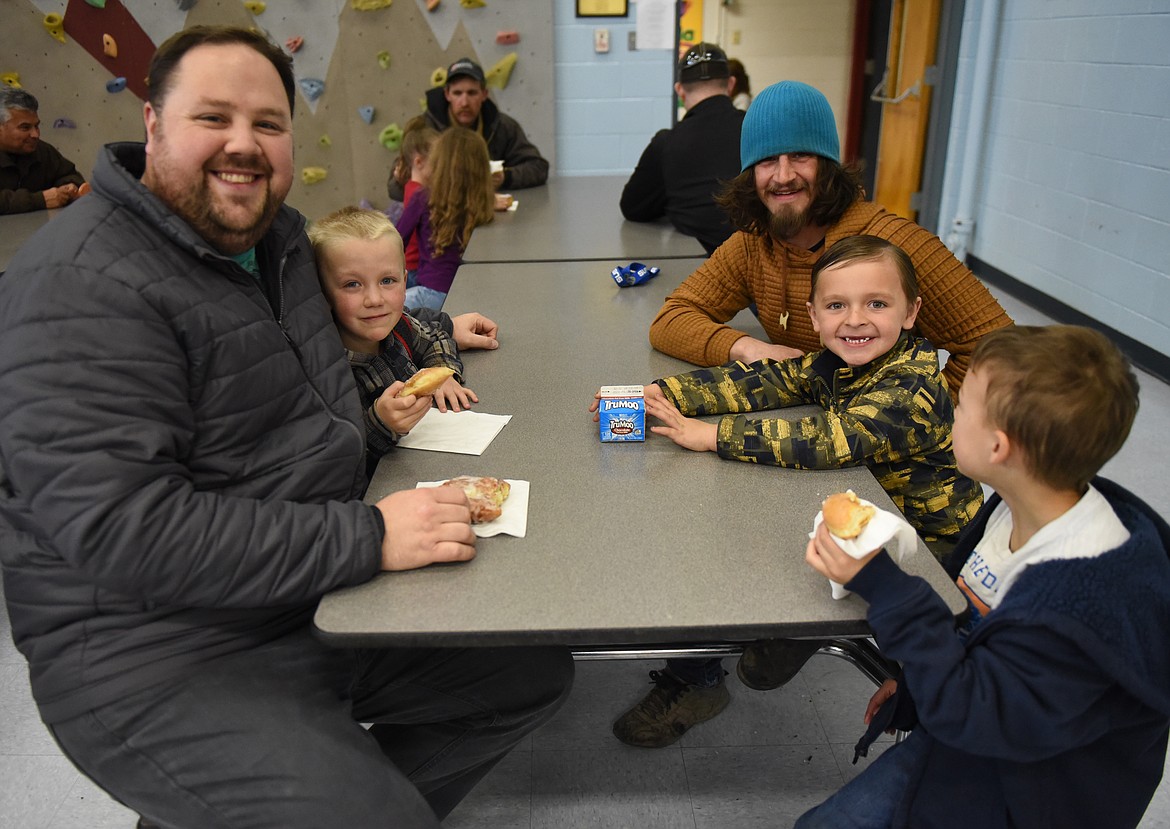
(872, 799)
(272, 736)
(420, 296)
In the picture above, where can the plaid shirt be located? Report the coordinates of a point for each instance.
(412, 345)
(893, 415)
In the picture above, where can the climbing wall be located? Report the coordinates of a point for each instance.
(362, 68)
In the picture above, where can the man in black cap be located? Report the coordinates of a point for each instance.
(681, 169)
(464, 101)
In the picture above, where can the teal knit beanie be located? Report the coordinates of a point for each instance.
(788, 117)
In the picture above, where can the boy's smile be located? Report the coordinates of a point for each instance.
(860, 309)
(365, 283)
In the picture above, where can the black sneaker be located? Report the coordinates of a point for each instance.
(668, 711)
(770, 663)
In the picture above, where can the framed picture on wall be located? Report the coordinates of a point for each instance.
(603, 8)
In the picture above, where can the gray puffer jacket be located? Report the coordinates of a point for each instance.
(180, 453)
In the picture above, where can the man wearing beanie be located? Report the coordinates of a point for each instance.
(463, 101)
(791, 201)
(681, 169)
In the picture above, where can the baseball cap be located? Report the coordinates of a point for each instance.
(465, 66)
(703, 62)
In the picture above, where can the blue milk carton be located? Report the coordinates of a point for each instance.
(622, 413)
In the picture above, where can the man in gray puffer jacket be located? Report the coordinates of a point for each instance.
(181, 461)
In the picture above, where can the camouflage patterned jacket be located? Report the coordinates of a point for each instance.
(893, 415)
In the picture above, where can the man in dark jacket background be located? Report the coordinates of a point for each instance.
(463, 101)
(181, 462)
(33, 173)
(682, 168)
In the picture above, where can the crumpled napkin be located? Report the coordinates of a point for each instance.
(513, 518)
(466, 432)
(885, 529)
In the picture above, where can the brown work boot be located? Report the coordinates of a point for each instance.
(769, 663)
(668, 711)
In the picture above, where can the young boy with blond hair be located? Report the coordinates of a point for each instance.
(1049, 704)
(363, 276)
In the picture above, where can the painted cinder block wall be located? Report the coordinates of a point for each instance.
(1074, 196)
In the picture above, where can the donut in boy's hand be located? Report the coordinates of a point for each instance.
(486, 495)
(845, 515)
(426, 380)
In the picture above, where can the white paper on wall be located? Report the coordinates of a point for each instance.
(655, 24)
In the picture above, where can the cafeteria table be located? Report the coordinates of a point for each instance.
(628, 545)
(576, 218)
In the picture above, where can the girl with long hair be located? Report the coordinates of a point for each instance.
(458, 198)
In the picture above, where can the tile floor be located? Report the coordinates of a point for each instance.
(765, 760)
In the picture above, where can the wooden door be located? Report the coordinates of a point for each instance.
(906, 104)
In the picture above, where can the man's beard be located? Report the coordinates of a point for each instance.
(193, 203)
(786, 222)
(196, 207)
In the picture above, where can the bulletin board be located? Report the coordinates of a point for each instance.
(362, 66)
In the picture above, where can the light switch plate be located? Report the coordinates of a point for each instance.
(601, 40)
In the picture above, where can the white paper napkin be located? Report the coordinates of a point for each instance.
(466, 432)
(513, 518)
(885, 529)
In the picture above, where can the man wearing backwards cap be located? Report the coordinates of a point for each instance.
(681, 168)
(464, 101)
(792, 200)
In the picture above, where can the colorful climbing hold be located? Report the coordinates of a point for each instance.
(55, 25)
(312, 87)
(390, 137)
(472, 4)
(97, 4)
(499, 74)
(294, 44)
(325, 140)
(439, 77)
(384, 59)
(312, 175)
(370, 5)
(255, 6)
(115, 84)
(109, 46)
(64, 124)
(367, 114)
(508, 37)
(11, 79)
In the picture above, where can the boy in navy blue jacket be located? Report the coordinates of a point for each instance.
(1049, 705)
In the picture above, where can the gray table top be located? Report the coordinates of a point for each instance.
(576, 218)
(626, 543)
(15, 230)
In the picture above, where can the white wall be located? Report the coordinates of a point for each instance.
(782, 40)
(1075, 181)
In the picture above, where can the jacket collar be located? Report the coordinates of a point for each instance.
(829, 367)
